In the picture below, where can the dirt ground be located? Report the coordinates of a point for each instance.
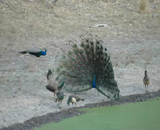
(131, 35)
(38, 121)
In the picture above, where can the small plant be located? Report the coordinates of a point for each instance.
(142, 6)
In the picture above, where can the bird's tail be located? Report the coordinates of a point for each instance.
(23, 52)
(87, 59)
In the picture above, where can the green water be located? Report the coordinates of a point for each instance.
(133, 116)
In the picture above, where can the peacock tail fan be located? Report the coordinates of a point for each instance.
(79, 65)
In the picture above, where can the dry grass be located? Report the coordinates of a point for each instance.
(22, 18)
(37, 16)
(28, 24)
(143, 6)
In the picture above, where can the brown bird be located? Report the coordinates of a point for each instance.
(146, 79)
(74, 99)
(52, 86)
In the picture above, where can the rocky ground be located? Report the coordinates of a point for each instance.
(131, 34)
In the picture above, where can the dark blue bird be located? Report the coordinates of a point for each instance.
(36, 52)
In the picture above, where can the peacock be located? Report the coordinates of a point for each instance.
(36, 52)
(60, 97)
(87, 65)
(52, 86)
(74, 99)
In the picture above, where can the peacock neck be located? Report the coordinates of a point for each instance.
(146, 75)
(94, 81)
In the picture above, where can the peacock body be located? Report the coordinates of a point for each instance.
(36, 52)
(88, 66)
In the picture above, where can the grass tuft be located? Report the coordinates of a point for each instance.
(143, 6)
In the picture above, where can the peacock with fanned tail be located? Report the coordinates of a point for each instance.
(88, 66)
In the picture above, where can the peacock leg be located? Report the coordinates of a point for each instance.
(54, 95)
(97, 93)
(94, 91)
(146, 90)
(59, 105)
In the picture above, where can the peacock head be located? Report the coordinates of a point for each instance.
(69, 100)
(44, 52)
(145, 72)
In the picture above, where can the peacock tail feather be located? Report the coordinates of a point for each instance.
(78, 67)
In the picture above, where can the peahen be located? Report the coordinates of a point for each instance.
(52, 86)
(36, 52)
(146, 79)
(74, 99)
(88, 66)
